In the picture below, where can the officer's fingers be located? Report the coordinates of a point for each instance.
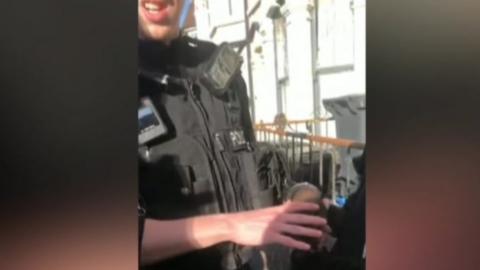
(299, 206)
(300, 231)
(303, 219)
(290, 242)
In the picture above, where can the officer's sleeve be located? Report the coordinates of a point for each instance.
(245, 107)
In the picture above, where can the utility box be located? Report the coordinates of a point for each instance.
(349, 113)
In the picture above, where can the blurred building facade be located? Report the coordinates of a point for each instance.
(304, 51)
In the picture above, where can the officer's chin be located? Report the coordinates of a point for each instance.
(163, 34)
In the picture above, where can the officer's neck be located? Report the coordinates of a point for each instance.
(157, 54)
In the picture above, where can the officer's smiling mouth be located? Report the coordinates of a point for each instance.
(155, 11)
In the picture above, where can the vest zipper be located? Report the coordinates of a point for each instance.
(212, 142)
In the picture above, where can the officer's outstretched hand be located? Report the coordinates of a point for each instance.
(285, 224)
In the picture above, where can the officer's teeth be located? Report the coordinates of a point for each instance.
(151, 7)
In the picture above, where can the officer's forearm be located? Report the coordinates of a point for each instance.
(165, 239)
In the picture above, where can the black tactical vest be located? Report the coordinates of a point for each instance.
(204, 164)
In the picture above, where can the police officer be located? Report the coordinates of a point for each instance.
(201, 204)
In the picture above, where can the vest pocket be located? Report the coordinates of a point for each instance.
(205, 197)
(197, 189)
(187, 178)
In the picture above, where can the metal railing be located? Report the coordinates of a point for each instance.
(300, 147)
(267, 133)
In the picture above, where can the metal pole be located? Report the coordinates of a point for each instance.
(275, 58)
(317, 97)
(249, 61)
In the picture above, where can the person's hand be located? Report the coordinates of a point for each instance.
(282, 224)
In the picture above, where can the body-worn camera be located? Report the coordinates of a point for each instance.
(150, 125)
(218, 73)
(306, 192)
